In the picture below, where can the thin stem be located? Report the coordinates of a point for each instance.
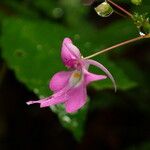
(118, 45)
(122, 9)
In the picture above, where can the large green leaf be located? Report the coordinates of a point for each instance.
(73, 122)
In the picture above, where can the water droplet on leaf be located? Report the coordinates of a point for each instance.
(36, 91)
(57, 13)
(42, 96)
(74, 124)
(104, 9)
(76, 36)
(66, 119)
(39, 47)
(53, 108)
(20, 53)
(87, 45)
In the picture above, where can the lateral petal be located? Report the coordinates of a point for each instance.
(90, 77)
(57, 98)
(59, 80)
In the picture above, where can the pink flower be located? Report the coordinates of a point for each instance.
(69, 87)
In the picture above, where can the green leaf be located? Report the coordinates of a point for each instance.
(50, 8)
(73, 122)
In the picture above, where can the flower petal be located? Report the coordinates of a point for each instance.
(57, 98)
(76, 98)
(53, 101)
(90, 77)
(59, 80)
(95, 63)
(38, 101)
(69, 52)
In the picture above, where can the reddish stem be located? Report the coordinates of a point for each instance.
(119, 7)
(118, 45)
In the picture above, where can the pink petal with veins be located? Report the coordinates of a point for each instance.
(57, 98)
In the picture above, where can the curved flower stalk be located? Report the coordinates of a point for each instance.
(69, 87)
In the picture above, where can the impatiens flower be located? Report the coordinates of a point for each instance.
(69, 87)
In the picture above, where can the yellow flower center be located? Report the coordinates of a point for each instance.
(75, 78)
(76, 75)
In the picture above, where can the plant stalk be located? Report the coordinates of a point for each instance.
(118, 45)
(119, 7)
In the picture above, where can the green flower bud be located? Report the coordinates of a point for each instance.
(136, 2)
(104, 9)
(142, 22)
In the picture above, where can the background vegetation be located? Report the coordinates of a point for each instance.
(31, 32)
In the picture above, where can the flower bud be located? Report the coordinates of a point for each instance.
(104, 9)
(136, 2)
(142, 22)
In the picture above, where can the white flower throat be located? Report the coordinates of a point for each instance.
(75, 78)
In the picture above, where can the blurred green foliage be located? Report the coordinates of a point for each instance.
(31, 43)
(143, 146)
